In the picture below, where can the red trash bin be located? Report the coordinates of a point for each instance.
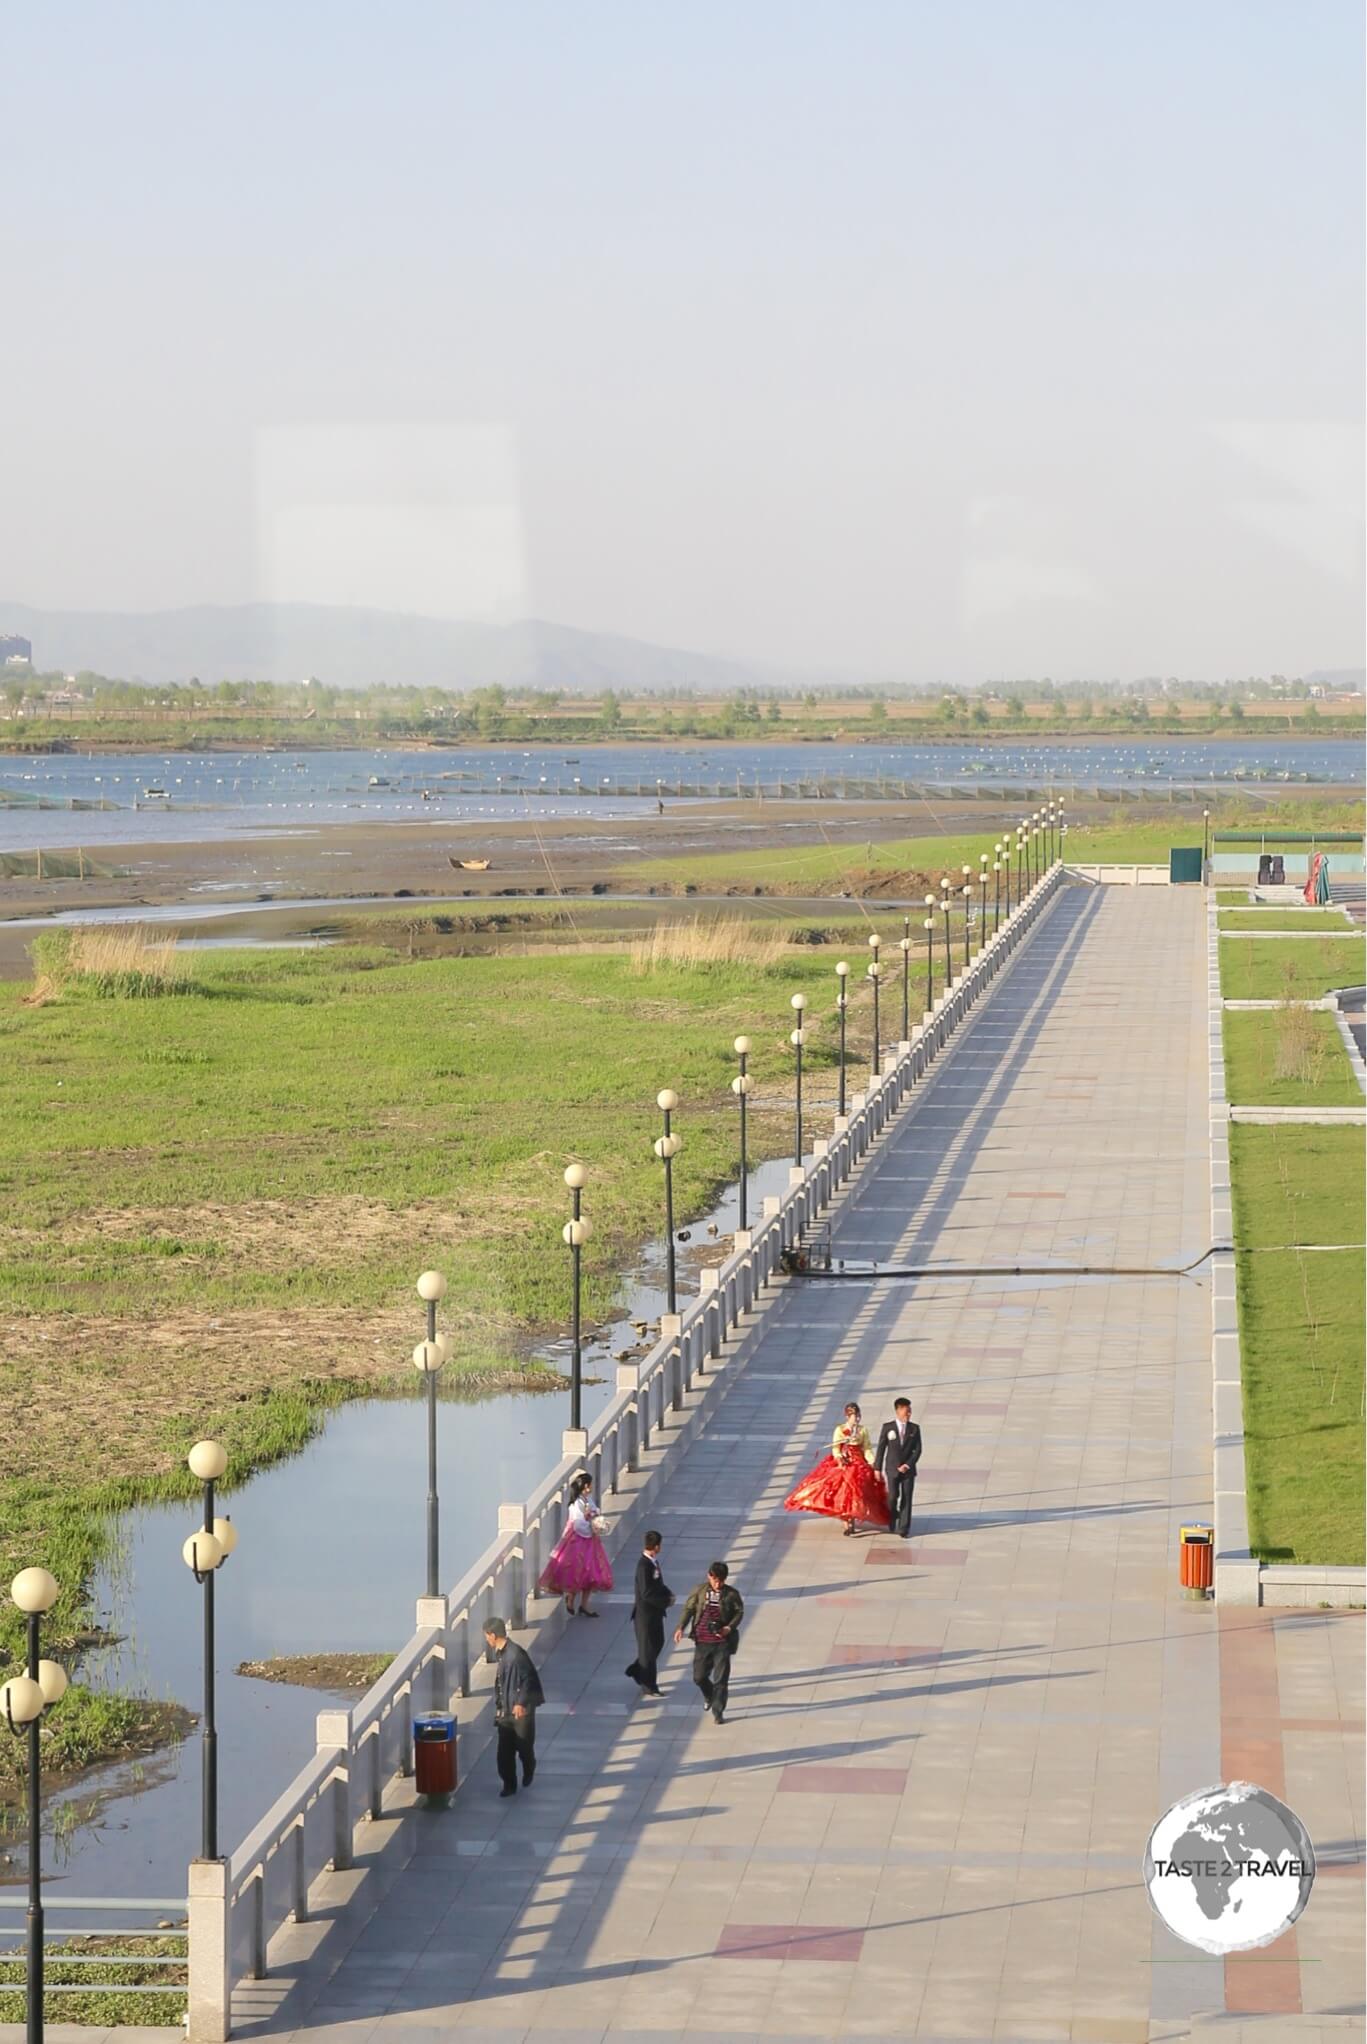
(434, 1753)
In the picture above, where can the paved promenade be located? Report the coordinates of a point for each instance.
(926, 1812)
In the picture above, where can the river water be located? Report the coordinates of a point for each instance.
(331, 1557)
(203, 796)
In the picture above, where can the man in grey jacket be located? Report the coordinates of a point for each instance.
(517, 1692)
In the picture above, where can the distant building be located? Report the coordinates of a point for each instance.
(14, 651)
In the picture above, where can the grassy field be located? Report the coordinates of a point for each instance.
(902, 862)
(217, 1198)
(1287, 1057)
(1287, 971)
(1331, 920)
(1298, 1192)
(822, 869)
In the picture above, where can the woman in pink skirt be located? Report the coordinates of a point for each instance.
(579, 1563)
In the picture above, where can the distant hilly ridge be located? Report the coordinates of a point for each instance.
(358, 648)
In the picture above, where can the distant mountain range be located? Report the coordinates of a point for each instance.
(359, 648)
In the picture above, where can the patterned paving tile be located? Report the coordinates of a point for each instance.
(818, 1780)
(789, 1941)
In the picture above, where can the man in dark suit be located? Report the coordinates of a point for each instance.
(517, 1692)
(653, 1598)
(896, 1457)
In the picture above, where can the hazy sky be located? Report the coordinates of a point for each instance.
(944, 337)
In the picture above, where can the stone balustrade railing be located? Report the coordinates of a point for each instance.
(238, 1904)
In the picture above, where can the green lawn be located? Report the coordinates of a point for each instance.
(216, 1201)
(1301, 1319)
(1294, 1185)
(1256, 1071)
(1282, 970)
(1301, 1328)
(1331, 920)
(820, 868)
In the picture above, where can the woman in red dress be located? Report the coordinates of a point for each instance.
(844, 1485)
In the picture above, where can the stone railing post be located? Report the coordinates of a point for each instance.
(513, 1519)
(210, 1940)
(629, 1379)
(332, 1734)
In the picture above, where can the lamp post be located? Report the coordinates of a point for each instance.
(574, 1235)
(1004, 855)
(904, 945)
(741, 1086)
(797, 1039)
(428, 1356)
(23, 1699)
(204, 1554)
(876, 976)
(982, 899)
(842, 976)
(929, 927)
(996, 893)
(944, 904)
(1205, 843)
(967, 891)
(667, 1148)
(1020, 864)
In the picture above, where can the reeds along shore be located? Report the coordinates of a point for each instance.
(125, 961)
(715, 940)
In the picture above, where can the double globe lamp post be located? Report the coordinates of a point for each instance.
(204, 1554)
(876, 976)
(741, 1086)
(667, 1147)
(575, 1234)
(23, 1700)
(842, 976)
(429, 1356)
(904, 945)
(797, 1039)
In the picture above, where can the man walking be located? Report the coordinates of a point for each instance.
(896, 1457)
(517, 1692)
(653, 1598)
(711, 1617)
